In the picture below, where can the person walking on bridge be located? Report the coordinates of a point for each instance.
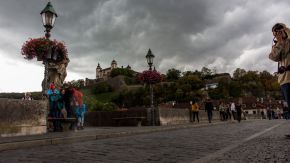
(233, 110)
(195, 110)
(209, 108)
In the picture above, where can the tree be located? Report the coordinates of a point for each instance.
(186, 73)
(77, 83)
(206, 73)
(251, 84)
(193, 80)
(222, 91)
(238, 73)
(179, 94)
(269, 81)
(173, 74)
(216, 93)
(102, 87)
(235, 89)
(122, 71)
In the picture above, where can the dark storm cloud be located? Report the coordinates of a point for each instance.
(187, 34)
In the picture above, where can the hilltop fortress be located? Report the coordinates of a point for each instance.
(103, 74)
(106, 73)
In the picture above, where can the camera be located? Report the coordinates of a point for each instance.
(281, 70)
(275, 41)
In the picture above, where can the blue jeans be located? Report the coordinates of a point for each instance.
(286, 94)
(81, 119)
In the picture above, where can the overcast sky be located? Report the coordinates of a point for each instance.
(182, 34)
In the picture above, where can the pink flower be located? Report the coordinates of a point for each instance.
(39, 47)
(150, 77)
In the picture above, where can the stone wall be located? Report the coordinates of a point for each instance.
(163, 116)
(98, 118)
(19, 117)
(168, 116)
(103, 118)
(173, 116)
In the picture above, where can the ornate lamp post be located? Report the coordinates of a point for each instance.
(48, 15)
(150, 58)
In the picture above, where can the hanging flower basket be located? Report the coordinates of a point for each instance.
(44, 49)
(150, 77)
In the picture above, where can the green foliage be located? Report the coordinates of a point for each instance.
(147, 101)
(34, 95)
(238, 73)
(130, 98)
(194, 82)
(122, 71)
(235, 89)
(102, 87)
(131, 81)
(173, 74)
(77, 83)
(105, 97)
(254, 88)
(269, 81)
(98, 102)
(180, 88)
(93, 104)
(179, 95)
(216, 94)
(165, 91)
(206, 73)
(109, 106)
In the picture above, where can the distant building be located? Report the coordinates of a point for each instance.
(214, 82)
(211, 86)
(105, 73)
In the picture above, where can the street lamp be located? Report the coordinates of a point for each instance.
(48, 15)
(150, 58)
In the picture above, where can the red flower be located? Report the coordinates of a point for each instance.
(39, 47)
(150, 77)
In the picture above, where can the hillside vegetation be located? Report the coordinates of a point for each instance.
(126, 91)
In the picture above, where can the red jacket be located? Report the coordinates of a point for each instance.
(78, 95)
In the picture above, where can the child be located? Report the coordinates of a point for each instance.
(54, 112)
(80, 108)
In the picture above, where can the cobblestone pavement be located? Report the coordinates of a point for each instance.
(271, 147)
(255, 141)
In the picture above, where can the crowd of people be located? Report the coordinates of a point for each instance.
(275, 113)
(66, 102)
(226, 111)
(234, 111)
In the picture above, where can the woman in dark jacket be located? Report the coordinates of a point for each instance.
(239, 112)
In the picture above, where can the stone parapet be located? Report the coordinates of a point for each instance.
(169, 116)
(22, 117)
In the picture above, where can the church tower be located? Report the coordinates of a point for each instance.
(113, 64)
(99, 72)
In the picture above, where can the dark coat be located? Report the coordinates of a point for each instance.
(208, 106)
